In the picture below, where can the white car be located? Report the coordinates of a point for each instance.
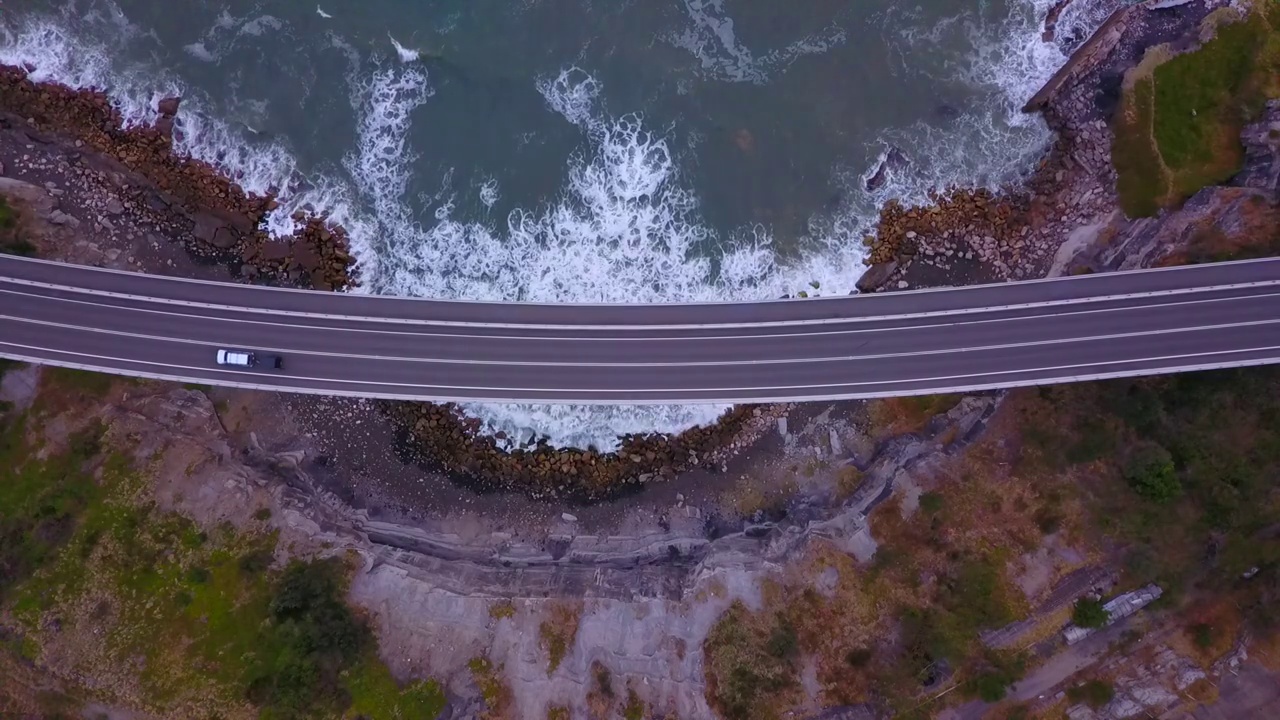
(242, 358)
(246, 358)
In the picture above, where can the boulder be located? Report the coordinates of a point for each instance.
(33, 196)
(304, 253)
(212, 230)
(876, 275)
(275, 251)
(168, 107)
(225, 238)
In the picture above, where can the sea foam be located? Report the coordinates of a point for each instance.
(624, 227)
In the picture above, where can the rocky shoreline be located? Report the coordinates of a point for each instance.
(964, 236)
(218, 221)
(441, 436)
(226, 221)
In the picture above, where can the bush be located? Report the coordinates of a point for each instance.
(931, 502)
(18, 246)
(747, 660)
(858, 657)
(315, 637)
(783, 643)
(1089, 613)
(255, 561)
(1202, 635)
(1001, 671)
(990, 687)
(1094, 693)
(1150, 472)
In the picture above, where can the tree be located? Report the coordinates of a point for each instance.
(1089, 613)
(1151, 474)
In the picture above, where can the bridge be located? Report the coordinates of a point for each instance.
(904, 343)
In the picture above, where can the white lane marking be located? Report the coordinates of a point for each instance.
(681, 338)
(1079, 279)
(562, 326)
(533, 393)
(704, 363)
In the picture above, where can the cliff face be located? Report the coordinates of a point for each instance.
(1218, 223)
(440, 598)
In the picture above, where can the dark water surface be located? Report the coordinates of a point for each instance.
(622, 151)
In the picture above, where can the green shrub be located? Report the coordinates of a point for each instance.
(990, 687)
(255, 561)
(858, 657)
(1150, 472)
(783, 643)
(1202, 635)
(1094, 693)
(1000, 671)
(1089, 613)
(932, 502)
(316, 637)
(747, 660)
(18, 246)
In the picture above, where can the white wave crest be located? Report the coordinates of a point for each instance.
(406, 55)
(710, 38)
(625, 226)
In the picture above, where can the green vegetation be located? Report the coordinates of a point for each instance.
(10, 242)
(1089, 613)
(998, 673)
(1094, 693)
(1178, 126)
(1202, 635)
(502, 609)
(749, 657)
(931, 503)
(1204, 449)
(89, 384)
(1150, 472)
(635, 707)
(496, 694)
(311, 637)
(558, 632)
(40, 500)
(88, 564)
(375, 693)
(1141, 180)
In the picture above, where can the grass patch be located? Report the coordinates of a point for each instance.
(41, 500)
(81, 542)
(1142, 180)
(1179, 122)
(558, 631)
(376, 695)
(635, 709)
(896, 416)
(90, 384)
(502, 609)
(497, 696)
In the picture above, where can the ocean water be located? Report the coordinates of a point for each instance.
(577, 150)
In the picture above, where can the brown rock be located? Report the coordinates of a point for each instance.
(168, 107)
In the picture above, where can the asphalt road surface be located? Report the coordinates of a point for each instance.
(902, 343)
